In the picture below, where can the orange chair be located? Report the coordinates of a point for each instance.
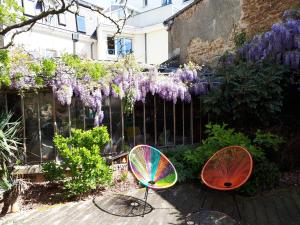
(228, 169)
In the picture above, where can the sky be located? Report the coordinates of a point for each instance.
(104, 3)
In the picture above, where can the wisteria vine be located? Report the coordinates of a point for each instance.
(91, 81)
(281, 44)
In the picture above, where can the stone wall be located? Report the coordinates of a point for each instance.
(259, 15)
(206, 30)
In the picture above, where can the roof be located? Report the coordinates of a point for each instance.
(181, 11)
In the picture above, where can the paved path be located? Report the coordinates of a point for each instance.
(171, 206)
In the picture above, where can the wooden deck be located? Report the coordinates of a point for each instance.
(280, 207)
(167, 207)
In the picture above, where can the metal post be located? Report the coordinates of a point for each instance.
(192, 123)
(24, 127)
(165, 124)
(6, 104)
(54, 123)
(122, 122)
(110, 123)
(174, 122)
(39, 126)
(144, 109)
(183, 123)
(69, 117)
(155, 125)
(133, 124)
(145, 197)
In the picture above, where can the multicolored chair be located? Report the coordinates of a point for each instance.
(152, 168)
(228, 169)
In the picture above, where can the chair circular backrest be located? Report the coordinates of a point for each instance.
(151, 167)
(228, 169)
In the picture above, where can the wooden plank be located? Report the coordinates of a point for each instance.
(248, 212)
(281, 210)
(260, 211)
(292, 210)
(240, 203)
(273, 217)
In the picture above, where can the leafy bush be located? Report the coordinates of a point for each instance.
(80, 154)
(189, 162)
(249, 95)
(185, 170)
(53, 171)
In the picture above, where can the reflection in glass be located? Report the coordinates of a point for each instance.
(77, 114)
(179, 122)
(62, 119)
(139, 123)
(89, 118)
(150, 131)
(187, 123)
(160, 121)
(2, 103)
(116, 126)
(47, 129)
(169, 123)
(32, 128)
(14, 105)
(196, 120)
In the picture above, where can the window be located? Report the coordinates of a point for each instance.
(119, 46)
(110, 45)
(62, 19)
(145, 2)
(166, 2)
(80, 22)
(29, 7)
(38, 7)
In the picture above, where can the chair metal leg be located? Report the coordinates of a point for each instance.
(145, 198)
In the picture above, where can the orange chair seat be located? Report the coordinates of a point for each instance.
(227, 169)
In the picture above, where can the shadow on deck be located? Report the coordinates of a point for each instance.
(280, 207)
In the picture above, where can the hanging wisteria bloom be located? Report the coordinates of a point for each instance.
(70, 79)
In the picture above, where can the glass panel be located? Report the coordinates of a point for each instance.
(14, 105)
(89, 118)
(32, 128)
(116, 126)
(62, 119)
(2, 103)
(139, 124)
(80, 20)
(127, 46)
(120, 46)
(196, 120)
(187, 123)
(47, 128)
(128, 131)
(77, 114)
(169, 123)
(150, 132)
(160, 121)
(179, 120)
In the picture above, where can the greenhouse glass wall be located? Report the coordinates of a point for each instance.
(156, 122)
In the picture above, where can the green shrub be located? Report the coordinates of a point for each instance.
(185, 170)
(189, 162)
(265, 176)
(80, 154)
(249, 95)
(53, 171)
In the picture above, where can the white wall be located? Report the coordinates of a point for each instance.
(157, 47)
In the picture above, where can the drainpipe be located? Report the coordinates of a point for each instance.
(146, 59)
(92, 54)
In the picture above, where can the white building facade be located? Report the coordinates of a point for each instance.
(89, 35)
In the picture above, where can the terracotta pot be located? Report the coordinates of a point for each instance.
(15, 207)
